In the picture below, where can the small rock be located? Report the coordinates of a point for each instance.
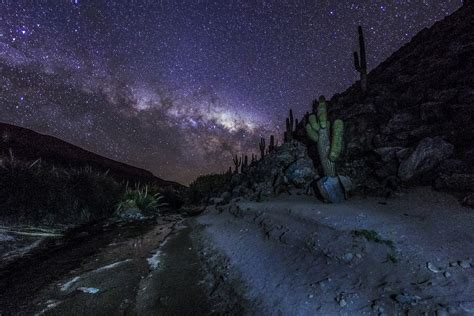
(447, 275)
(453, 264)
(340, 299)
(226, 196)
(442, 312)
(348, 257)
(310, 296)
(406, 298)
(465, 264)
(89, 290)
(432, 267)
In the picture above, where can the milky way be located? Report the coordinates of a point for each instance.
(177, 87)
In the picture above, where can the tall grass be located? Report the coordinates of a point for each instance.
(36, 192)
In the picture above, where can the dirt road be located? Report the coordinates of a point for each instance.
(141, 268)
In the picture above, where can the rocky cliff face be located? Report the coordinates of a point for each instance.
(415, 125)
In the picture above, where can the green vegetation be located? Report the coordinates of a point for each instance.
(147, 203)
(372, 235)
(207, 186)
(392, 258)
(329, 146)
(36, 192)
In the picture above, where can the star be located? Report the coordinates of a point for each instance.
(178, 87)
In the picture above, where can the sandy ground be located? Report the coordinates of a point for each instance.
(298, 256)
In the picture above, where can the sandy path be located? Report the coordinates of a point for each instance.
(298, 256)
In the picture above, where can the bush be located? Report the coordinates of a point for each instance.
(207, 186)
(41, 193)
(141, 199)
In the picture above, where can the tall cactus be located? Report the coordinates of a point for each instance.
(271, 147)
(329, 144)
(245, 163)
(290, 122)
(262, 147)
(360, 62)
(237, 162)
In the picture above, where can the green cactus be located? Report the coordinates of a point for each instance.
(317, 130)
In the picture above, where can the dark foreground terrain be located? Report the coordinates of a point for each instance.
(289, 255)
(111, 269)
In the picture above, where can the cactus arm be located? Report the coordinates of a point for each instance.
(322, 114)
(313, 121)
(312, 133)
(337, 137)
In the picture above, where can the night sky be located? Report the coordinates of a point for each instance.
(177, 87)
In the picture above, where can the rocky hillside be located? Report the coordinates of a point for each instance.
(28, 145)
(415, 124)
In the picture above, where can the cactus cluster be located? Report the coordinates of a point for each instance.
(329, 143)
(360, 61)
(242, 163)
(237, 163)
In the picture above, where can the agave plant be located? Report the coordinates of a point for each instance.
(142, 200)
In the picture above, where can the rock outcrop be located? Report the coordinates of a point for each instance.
(287, 169)
(415, 124)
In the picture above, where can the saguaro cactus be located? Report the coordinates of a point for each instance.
(360, 62)
(271, 147)
(245, 163)
(329, 144)
(237, 162)
(262, 147)
(290, 122)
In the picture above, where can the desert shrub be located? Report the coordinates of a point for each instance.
(172, 196)
(207, 186)
(141, 199)
(39, 192)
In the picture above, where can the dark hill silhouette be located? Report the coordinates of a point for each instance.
(26, 144)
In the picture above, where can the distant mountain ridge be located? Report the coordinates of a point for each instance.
(26, 144)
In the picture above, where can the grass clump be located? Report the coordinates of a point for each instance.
(142, 200)
(372, 235)
(392, 258)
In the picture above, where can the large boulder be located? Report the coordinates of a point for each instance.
(427, 155)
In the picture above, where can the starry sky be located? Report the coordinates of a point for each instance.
(177, 87)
